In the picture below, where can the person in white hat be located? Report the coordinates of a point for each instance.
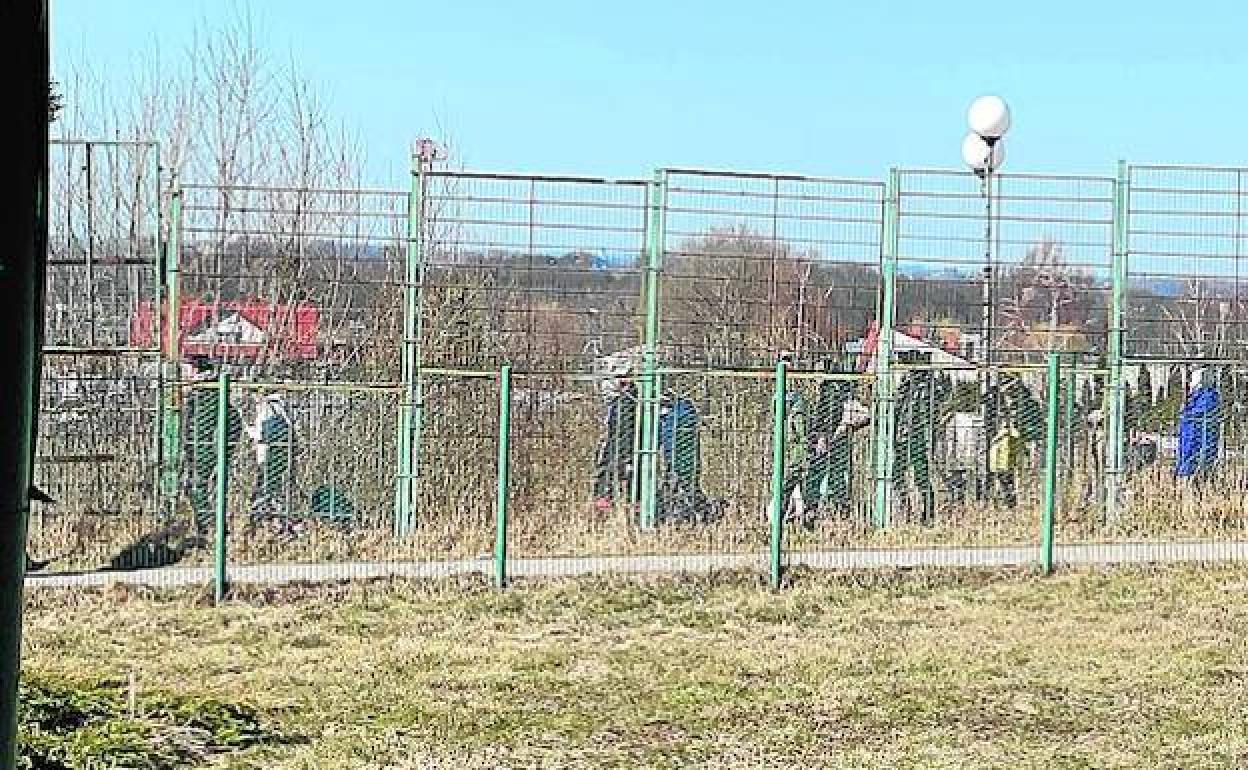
(613, 467)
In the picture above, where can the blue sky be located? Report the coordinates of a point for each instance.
(833, 87)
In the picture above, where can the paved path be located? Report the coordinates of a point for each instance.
(1121, 553)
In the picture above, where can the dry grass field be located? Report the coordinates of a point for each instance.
(1090, 669)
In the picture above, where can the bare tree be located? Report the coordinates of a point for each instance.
(1046, 306)
(1200, 322)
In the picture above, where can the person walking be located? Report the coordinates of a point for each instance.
(613, 466)
(272, 436)
(1199, 429)
(201, 438)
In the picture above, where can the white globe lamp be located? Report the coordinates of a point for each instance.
(989, 116)
(981, 156)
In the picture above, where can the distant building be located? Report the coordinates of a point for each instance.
(959, 363)
(243, 330)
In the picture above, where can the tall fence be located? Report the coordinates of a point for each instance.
(98, 438)
(695, 369)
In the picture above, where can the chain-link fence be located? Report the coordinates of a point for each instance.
(99, 453)
(756, 265)
(641, 423)
(543, 272)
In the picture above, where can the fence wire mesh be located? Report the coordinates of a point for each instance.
(313, 481)
(755, 265)
(97, 455)
(288, 283)
(541, 272)
(577, 491)
(639, 321)
(1186, 242)
(829, 482)
(104, 236)
(99, 450)
(456, 471)
(1185, 475)
(1003, 269)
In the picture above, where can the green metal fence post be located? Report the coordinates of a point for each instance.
(634, 481)
(1115, 393)
(504, 476)
(884, 407)
(778, 418)
(223, 481)
(647, 453)
(1050, 463)
(411, 408)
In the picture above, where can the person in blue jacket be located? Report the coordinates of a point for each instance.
(1199, 429)
(681, 498)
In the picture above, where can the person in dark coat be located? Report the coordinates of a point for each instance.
(681, 498)
(912, 444)
(613, 466)
(201, 451)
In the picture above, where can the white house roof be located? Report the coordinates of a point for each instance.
(904, 343)
(233, 329)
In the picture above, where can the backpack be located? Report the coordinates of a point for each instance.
(1028, 416)
(329, 503)
(678, 441)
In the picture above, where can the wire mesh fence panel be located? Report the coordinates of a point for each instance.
(1185, 474)
(997, 504)
(1082, 454)
(829, 477)
(183, 534)
(715, 435)
(756, 264)
(577, 479)
(97, 456)
(573, 466)
(1001, 271)
(289, 283)
(942, 491)
(1185, 241)
(540, 272)
(313, 480)
(311, 483)
(456, 479)
(104, 235)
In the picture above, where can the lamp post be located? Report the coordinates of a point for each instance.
(984, 151)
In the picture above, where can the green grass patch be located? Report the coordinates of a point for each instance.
(67, 725)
